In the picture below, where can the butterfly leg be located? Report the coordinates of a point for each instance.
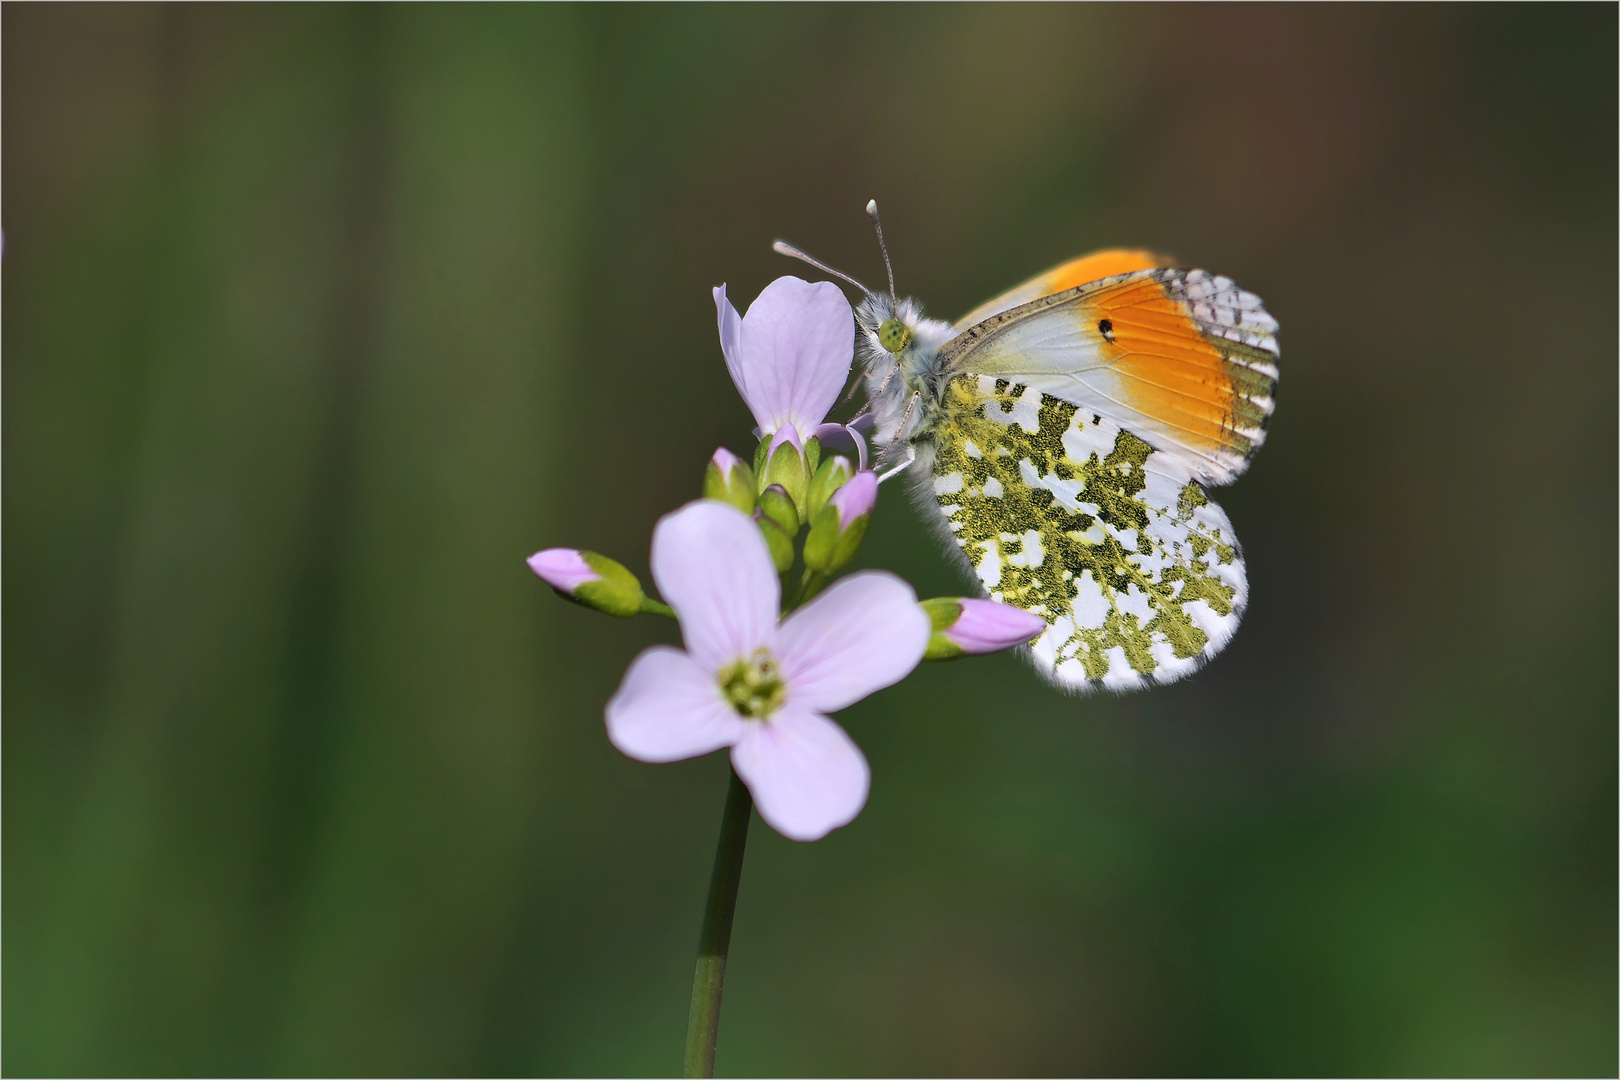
(901, 431)
(854, 384)
(884, 385)
(911, 455)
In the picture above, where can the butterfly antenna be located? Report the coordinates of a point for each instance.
(783, 248)
(871, 212)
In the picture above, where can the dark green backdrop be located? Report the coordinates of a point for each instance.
(318, 320)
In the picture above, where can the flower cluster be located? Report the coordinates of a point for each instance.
(756, 675)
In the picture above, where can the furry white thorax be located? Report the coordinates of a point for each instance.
(903, 390)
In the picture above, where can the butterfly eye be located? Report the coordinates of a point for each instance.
(1106, 329)
(894, 335)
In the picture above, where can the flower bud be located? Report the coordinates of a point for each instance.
(777, 505)
(777, 540)
(833, 474)
(837, 531)
(785, 465)
(973, 627)
(592, 580)
(729, 479)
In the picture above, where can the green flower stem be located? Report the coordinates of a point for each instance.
(708, 980)
(811, 583)
(649, 606)
(709, 977)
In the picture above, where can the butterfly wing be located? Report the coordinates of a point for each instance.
(1065, 514)
(1081, 271)
(1184, 359)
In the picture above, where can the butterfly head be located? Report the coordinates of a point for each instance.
(896, 345)
(894, 335)
(886, 330)
(899, 347)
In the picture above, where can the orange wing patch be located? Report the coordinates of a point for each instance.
(1081, 271)
(1095, 267)
(1196, 374)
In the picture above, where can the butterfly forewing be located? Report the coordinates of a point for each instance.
(1065, 514)
(1183, 359)
(1081, 271)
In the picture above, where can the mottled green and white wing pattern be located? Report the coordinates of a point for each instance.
(1066, 515)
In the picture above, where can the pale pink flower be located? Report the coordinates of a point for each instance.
(790, 354)
(760, 686)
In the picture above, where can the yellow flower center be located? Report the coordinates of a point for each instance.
(753, 685)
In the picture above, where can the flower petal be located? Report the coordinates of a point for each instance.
(730, 331)
(669, 708)
(841, 439)
(713, 568)
(807, 776)
(864, 633)
(797, 343)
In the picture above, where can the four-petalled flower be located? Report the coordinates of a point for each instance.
(759, 685)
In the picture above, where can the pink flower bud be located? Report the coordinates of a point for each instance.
(855, 499)
(840, 526)
(786, 435)
(726, 462)
(564, 569)
(729, 480)
(590, 579)
(785, 465)
(986, 626)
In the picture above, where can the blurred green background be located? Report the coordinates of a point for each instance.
(319, 319)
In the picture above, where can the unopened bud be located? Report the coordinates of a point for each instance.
(968, 626)
(833, 474)
(729, 479)
(777, 505)
(837, 531)
(785, 465)
(592, 580)
(777, 540)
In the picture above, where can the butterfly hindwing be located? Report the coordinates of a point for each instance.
(1063, 513)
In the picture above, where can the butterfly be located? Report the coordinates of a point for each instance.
(1064, 437)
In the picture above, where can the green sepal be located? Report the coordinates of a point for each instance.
(736, 489)
(649, 606)
(777, 505)
(833, 474)
(812, 455)
(617, 593)
(942, 612)
(777, 540)
(785, 466)
(810, 584)
(826, 549)
(761, 452)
